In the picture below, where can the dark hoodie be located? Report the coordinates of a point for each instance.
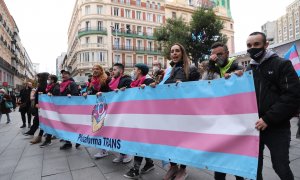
(277, 90)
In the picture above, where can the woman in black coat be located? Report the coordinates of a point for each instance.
(5, 101)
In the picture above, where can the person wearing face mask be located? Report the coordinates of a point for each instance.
(157, 72)
(219, 64)
(277, 91)
(5, 98)
(52, 89)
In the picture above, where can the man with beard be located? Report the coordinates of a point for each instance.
(25, 104)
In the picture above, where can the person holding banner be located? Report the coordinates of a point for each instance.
(98, 83)
(120, 81)
(67, 88)
(277, 91)
(181, 71)
(141, 79)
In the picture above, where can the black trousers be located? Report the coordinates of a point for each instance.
(35, 125)
(23, 116)
(278, 142)
(138, 161)
(222, 176)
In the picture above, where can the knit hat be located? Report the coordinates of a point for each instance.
(143, 67)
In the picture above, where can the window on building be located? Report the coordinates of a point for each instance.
(149, 31)
(140, 59)
(150, 62)
(117, 26)
(99, 9)
(100, 25)
(139, 30)
(116, 11)
(86, 56)
(138, 2)
(128, 2)
(117, 58)
(161, 61)
(87, 25)
(127, 13)
(174, 15)
(128, 29)
(100, 40)
(139, 45)
(150, 46)
(138, 15)
(87, 9)
(148, 4)
(128, 61)
(158, 6)
(122, 1)
(158, 18)
(149, 17)
(100, 56)
(153, 5)
(87, 40)
(128, 44)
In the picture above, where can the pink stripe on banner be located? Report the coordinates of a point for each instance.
(231, 144)
(205, 106)
(293, 55)
(63, 109)
(297, 66)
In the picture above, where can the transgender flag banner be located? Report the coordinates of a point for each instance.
(293, 56)
(204, 124)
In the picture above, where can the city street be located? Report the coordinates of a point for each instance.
(21, 160)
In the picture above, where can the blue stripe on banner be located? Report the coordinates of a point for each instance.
(196, 89)
(298, 73)
(236, 164)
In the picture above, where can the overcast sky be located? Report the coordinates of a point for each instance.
(43, 24)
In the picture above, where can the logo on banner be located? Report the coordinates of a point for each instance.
(99, 114)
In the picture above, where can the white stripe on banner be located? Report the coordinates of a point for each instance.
(295, 61)
(210, 124)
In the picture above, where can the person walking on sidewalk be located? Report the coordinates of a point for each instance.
(141, 79)
(41, 89)
(25, 104)
(277, 90)
(6, 105)
(98, 84)
(52, 90)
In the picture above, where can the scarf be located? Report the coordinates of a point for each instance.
(64, 85)
(96, 83)
(49, 87)
(138, 82)
(113, 84)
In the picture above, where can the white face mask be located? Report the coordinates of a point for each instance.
(155, 68)
(48, 82)
(133, 76)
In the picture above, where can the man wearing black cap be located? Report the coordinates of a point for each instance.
(67, 88)
(140, 79)
(139, 75)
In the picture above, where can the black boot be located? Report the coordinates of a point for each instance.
(23, 126)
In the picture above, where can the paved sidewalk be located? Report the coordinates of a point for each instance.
(20, 160)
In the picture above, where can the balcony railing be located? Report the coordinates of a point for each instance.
(89, 65)
(133, 34)
(93, 45)
(92, 30)
(138, 50)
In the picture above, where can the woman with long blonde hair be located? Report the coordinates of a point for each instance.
(99, 81)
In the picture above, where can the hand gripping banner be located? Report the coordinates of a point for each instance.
(205, 124)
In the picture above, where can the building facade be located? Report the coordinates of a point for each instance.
(287, 27)
(15, 64)
(110, 31)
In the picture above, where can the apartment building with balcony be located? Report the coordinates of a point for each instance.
(109, 31)
(15, 64)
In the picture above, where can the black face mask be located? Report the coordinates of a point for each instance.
(256, 53)
(89, 80)
(221, 62)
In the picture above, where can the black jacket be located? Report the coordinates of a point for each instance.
(25, 99)
(277, 90)
(179, 74)
(55, 91)
(72, 89)
(124, 82)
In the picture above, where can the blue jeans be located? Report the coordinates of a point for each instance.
(278, 142)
